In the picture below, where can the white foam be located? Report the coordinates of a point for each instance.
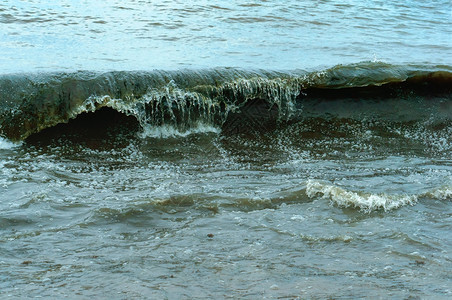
(362, 200)
(442, 193)
(168, 131)
(6, 144)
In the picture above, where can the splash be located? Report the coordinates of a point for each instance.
(441, 193)
(6, 144)
(170, 131)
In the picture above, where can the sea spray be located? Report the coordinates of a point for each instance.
(365, 201)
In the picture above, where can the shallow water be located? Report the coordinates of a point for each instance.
(226, 179)
(208, 215)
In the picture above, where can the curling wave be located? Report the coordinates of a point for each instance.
(361, 200)
(183, 99)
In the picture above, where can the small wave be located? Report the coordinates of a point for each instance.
(442, 193)
(365, 201)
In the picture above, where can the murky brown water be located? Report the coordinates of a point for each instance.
(225, 182)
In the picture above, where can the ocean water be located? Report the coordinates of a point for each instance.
(212, 149)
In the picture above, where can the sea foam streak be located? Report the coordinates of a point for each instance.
(442, 193)
(5, 144)
(362, 200)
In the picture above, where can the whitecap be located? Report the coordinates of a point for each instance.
(362, 200)
(441, 193)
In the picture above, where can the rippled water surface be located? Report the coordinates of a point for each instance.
(207, 215)
(131, 35)
(215, 176)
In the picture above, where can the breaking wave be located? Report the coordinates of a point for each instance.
(368, 202)
(442, 193)
(219, 98)
(362, 200)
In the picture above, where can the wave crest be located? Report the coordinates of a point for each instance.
(33, 102)
(5, 144)
(365, 201)
(442, 193)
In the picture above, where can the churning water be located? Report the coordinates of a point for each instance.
(240, 149)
